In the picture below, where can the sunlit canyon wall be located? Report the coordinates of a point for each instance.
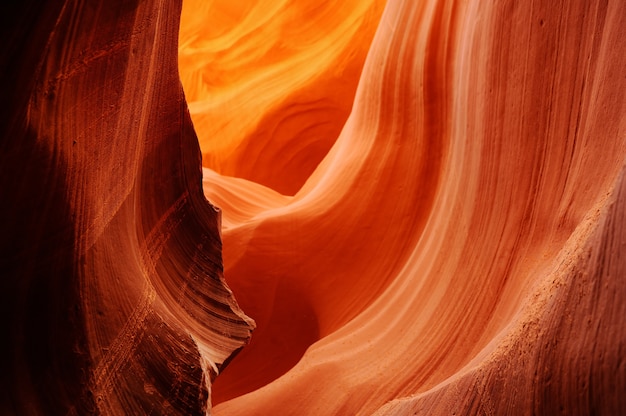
(423, 208)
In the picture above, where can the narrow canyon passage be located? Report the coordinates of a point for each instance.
(290, 207)
(268, 270)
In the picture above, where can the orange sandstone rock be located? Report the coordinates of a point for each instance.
(434, 261)
(454, 246)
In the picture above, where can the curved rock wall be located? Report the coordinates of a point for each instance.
(112, 293)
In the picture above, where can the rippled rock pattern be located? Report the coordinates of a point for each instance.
(423, 208)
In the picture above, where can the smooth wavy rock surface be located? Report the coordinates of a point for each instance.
(459, 249)
(113, 300)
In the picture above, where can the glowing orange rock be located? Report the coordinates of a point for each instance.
(270, 83)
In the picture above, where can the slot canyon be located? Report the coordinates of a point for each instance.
(291, 207)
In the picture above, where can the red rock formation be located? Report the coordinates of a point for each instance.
(112, 293)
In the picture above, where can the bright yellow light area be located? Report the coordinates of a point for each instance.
(270, 83)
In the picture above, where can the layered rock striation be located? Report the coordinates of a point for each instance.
(113, 300)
